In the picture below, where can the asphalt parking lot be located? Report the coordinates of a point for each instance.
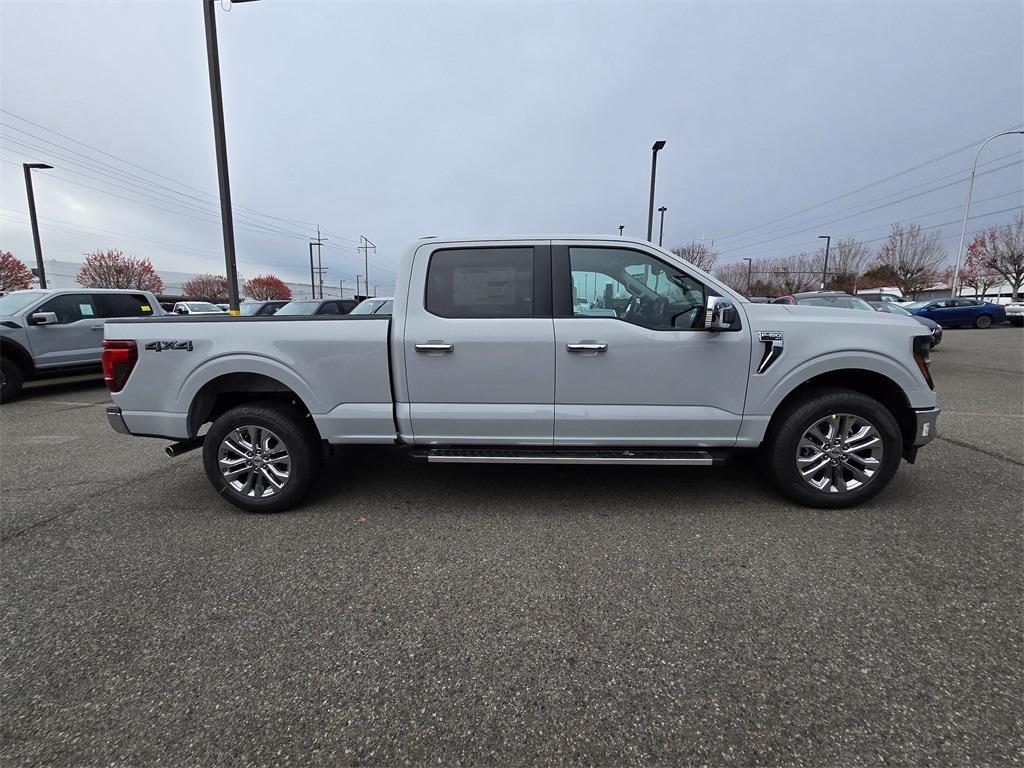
(413, 614)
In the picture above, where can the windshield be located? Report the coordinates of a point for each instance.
(372, 307)
(250, 308)
(915, 305)
(896, 309)
(202, 306)
(15, 302)
(839, 302)
(299, 308)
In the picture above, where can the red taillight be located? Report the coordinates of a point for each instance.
(118, 360)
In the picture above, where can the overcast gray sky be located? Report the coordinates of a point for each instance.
(397, 120)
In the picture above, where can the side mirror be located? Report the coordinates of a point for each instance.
(181, 311)
(720, 315)
(42, 318)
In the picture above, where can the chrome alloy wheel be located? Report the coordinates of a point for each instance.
(254, 461)
(839, 453)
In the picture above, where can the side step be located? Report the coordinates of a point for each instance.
(664, 457)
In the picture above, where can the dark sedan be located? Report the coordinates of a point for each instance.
(953, 313)
(893, 309)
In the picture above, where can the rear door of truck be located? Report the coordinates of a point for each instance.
(479, 345)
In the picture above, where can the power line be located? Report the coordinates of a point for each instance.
(904, 172)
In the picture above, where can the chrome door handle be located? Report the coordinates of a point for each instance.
(435, 347)
(581, 347)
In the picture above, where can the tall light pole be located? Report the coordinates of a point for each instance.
(29, 167)
(750, 266)
(357, 285)
(661, 229)
(312, 277)
(824, 269)
(655, 149)
(967, 210)
(217, 101)
(621, 227)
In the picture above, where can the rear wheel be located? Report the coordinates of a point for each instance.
(833, 449)
(11, 380)
(262, 457)
(983, 321)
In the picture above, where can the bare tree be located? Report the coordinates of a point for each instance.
(846, 262)
(1007, 256)
(913, 258)
(734, 275)
(978, 272)
(697, 254)
(794, 274)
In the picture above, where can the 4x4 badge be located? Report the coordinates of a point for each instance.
(160, 346)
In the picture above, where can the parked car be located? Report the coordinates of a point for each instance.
(933, 328)
(49, 332)
(378, 305)
(260, 308)
(197, 308)
(224, 307)
(486, 359)
(953, 313)
(1015, 312)
(881, 296)
(834, 299)
(318, 307)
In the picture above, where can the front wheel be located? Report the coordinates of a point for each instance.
(833, 449)
(262, 457)
(983, 321)
(11, 380)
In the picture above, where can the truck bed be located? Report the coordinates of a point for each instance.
(336, 365)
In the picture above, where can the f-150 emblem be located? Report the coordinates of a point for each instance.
(160, 346)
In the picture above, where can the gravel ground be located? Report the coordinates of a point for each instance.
(412, 614)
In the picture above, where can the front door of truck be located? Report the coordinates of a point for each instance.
(633, 363)
(75, 337)
(479, 346)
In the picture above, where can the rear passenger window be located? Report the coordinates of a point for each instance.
(481, 283)
(123, 305)
(329, 308)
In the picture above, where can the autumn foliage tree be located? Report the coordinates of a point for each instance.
(113, 269)
(14, 275)
(978, 272)
(267, 288)
(208, 287)
(1001, 250)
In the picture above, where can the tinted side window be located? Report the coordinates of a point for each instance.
(329, 308)
(481, 282)
(122, 305)
(70, 308)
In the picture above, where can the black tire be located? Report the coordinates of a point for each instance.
(291, 428)
(789, 426)
(1017, 321)
(11, 380)
(983, 321)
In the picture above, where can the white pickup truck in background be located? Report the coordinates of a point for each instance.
(586, 350)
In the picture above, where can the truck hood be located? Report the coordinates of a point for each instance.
(765, 313)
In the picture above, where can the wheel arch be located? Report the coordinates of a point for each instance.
(16, 353)
(228, 390)
(875, 385)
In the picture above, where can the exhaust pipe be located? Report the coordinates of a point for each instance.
(174, 450)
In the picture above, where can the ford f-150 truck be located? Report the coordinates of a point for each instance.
(585, 350)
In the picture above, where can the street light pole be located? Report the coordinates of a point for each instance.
(28, 168)
(661, 230)
(217, 102)
(357, 285)
(655, 149)
(750, 266)
(621, 227)
(967, 210)
(824, 269)
(312, 278)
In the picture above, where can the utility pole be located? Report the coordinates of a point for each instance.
(824, 269)
(217, 101)
(655, 149)
(357, 285)
(661, 231)
(341, 289)
(29, 167)
(750, 266)
(621, 227)
(318, 242)
(365, 244)
(312, 279)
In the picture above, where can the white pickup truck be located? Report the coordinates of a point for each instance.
(577, 350)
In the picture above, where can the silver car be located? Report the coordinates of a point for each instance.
(45, 332)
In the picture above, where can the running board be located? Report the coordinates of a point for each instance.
(665, 457)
